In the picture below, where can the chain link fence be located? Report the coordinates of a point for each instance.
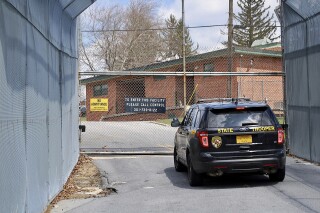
(132, 110)
(134, 79)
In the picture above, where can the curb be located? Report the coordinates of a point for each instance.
(158, 123)
(125, 153)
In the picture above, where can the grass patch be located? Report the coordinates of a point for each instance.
(167, 121)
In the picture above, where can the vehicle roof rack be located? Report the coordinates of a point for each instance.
(235, 100)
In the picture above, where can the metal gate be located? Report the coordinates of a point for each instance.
(140, 70)
(131, 111)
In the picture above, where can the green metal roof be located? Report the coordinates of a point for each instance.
(270, 45)
(199, 57)
(208, 55)
(96, 79)
(261, 52)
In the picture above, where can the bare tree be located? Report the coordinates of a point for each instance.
(141, 45)
(101, 43)
(114, 39)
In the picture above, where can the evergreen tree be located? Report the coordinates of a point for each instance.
(173, 39)
(255, 21)
(190, 49)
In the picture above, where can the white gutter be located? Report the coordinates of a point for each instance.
(149, 73)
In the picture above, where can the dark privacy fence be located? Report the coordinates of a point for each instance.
(39, 143)
(301, 40)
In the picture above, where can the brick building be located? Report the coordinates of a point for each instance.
(265, 58)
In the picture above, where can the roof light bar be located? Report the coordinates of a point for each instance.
(235, 100)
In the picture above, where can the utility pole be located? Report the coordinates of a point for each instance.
(184, 60)
(230, 40)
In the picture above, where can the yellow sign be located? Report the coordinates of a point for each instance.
(98, 104)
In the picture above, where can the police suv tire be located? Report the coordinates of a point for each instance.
(278, 176)
(179, 167)
(194, 178)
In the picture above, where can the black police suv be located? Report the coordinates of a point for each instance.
(229, 136)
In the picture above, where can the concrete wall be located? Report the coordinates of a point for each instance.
(39, 143)
(301, 41)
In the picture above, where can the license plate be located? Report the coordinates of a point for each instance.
(244, 139)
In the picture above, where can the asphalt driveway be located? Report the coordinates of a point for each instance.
(150, 184)
(135, 136)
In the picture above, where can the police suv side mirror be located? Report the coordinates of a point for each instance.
(284, 126)
(82, 128)
(175, 122)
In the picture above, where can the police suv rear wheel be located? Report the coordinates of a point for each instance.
(177, 164)
(278, 176)
(194, 178)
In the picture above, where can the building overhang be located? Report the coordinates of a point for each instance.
(75, 7)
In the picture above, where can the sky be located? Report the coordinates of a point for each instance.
(200, 13)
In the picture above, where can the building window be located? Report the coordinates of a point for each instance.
(159, 77)
(208, 68)
(100, 90)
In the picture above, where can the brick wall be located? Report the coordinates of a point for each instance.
(95, 116)
(161, 89)
(145, 116)
(171, 87)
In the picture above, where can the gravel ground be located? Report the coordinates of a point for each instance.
(84, 182)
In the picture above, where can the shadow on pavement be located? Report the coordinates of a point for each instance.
(180, 180)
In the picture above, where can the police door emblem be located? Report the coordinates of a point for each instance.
(216, 142)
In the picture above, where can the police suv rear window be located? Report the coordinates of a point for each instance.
(236, 118)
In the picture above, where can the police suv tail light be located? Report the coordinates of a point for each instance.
(203, 138)
(280, 136)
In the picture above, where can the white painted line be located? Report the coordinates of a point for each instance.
(130, 157)
(113, 157)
